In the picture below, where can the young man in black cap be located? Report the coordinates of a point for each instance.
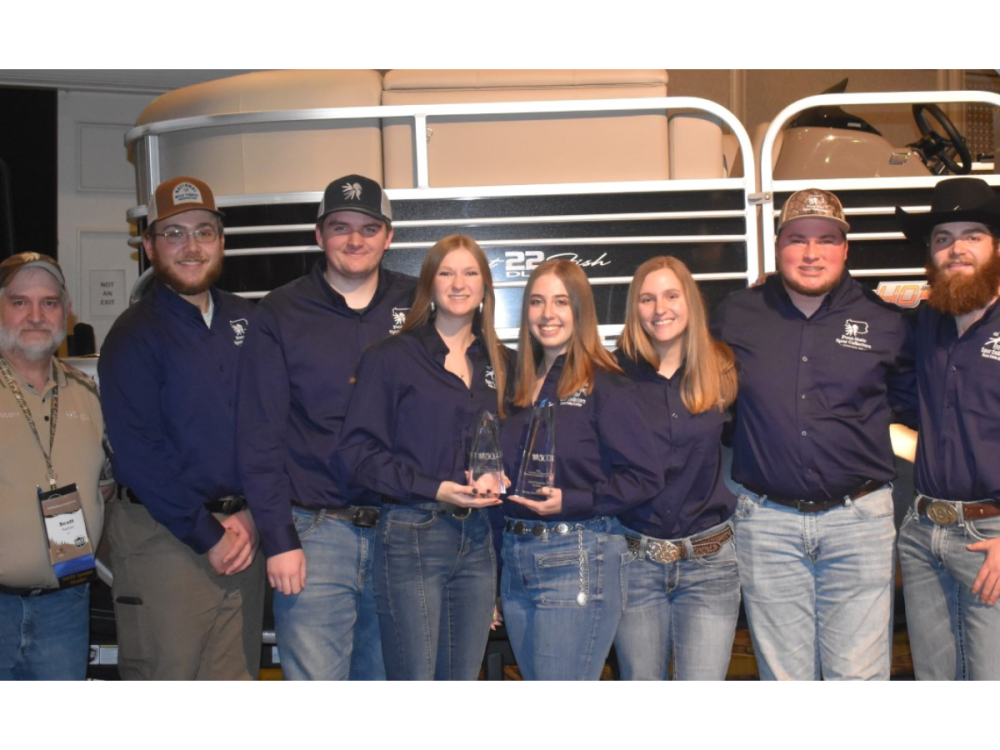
(188, 590)
(949, 544)
(317, 531)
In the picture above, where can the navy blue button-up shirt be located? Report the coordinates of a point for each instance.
(296, 379)
(813, 411)
(958, 454)
(605, 460)
(694, 497)
(168, 391)
(411, 422)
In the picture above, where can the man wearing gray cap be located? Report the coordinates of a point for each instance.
(949, 544)
(50, 450)
(296, 379)
(819, 358)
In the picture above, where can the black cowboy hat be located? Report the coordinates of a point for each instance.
(957, 199)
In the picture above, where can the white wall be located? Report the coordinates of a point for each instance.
(96, 187)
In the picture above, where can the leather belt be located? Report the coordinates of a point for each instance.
(949, 512)
(445, 509)
(818, 506)
(27, 592)
(227, 505)
(668, 551)
(361, 516)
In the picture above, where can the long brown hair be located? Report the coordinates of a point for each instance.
(420, 313)
(709, 379)
(585, 351)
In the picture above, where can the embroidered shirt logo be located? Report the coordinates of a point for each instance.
(352, 191)
(398, 319)
(854, 333)
(240, 329)
(491, 377)
(185, 192)
(991, 349)
(575, 399)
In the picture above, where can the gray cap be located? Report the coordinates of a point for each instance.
(15, 263)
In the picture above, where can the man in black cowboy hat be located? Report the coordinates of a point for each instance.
(949, 545)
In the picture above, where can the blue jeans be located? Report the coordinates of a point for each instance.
(329, 631)
(435, 587)
(953, 635)
(562, 597)
(684, 611)
(818, 587)
(45, 637)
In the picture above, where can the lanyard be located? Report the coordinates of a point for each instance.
(54, 415)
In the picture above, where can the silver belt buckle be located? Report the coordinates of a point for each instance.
(942, 513)
(662, 551)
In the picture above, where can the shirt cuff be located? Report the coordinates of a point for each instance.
(280, 540)
(426, 486)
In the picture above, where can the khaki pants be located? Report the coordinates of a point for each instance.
(177, 619)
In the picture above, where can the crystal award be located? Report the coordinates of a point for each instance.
(538, 461)
(486, 458)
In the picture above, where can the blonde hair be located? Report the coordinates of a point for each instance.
(420, 313)
(709, 379)
(585, 350)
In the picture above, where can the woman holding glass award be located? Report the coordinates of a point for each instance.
(419, 398)
(577, 442)
(683, 589)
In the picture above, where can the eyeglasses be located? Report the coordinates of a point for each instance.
(202, 235)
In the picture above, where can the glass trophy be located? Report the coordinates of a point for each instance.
(539, 459)
(486, 458)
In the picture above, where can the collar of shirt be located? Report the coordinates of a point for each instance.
(60, 379)
(643, 370)
(337, 299)
(429, 338)
(774, 289)
(550, 386)
(179, 306)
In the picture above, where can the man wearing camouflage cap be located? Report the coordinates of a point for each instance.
(820, 359)
(51, 440)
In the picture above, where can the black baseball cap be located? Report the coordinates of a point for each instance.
(355, 193)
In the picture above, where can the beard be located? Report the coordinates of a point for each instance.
(10, 342)
(165, 272)
(959, 294)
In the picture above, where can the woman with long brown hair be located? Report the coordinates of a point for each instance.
(407, 434)
(563, 550)
(683, 587)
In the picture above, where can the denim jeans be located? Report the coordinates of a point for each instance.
(562, 597)
(45, 637)
(818, 587)
(684, 611)
(953, 635)
(435, 587)
(329, 631)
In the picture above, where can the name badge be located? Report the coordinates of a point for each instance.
(70, 551)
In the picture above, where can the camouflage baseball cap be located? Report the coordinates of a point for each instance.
(813, 203)
(15, 263)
